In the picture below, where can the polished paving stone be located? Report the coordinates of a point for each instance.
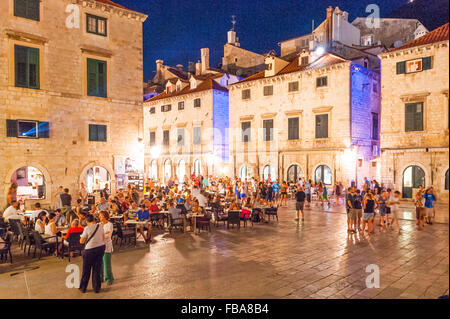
(314, 259)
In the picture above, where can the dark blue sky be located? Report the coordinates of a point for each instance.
(176, 30)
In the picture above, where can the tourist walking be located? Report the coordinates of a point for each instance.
(430, 199)
(300, 204)
(107, 275)
(94, 240)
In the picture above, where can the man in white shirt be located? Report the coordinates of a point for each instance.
(37, 211)
(84, 194)
(12, 212)
(202, 201)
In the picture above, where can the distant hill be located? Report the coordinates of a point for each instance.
(432, 13)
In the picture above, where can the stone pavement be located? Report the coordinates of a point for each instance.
(311, 259)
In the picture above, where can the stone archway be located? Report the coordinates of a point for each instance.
(107, 167)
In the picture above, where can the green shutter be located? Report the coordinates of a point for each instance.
(20, 8)
(43, 129)
(11, 128)
(401, 67)
(93, 135)
(101, 132)
(33, 68)
(410, 110)
(426, 63)
(20, 61)
(102, 78)
(418, 117)
(33, 9)
(92, 76)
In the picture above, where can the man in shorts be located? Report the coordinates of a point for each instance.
(350, 215)
(357, 208)
(300, 204)
(430, 199)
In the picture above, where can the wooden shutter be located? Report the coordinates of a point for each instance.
(33, 9)
(410, 110)
(92, 76)
(93, 135)
(43, 129)
(322, 126)
(11, 128)
(101, 65)
(197, 135)
(20, 8)
(246, 130)
(401, 67)
(152, 138)
(426, 63)
(33, 68)
(418, 117)
(293, 124)
(21, 66)
(268, 130)
(101, 131)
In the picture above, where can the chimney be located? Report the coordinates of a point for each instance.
(191, 67)
(179, 67)
(205, 59)
(198, 68)
(329, 24)
(159, 66)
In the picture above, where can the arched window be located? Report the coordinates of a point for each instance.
(197, 167)
(181, 171)
(167, 170)
(446, 181)
(96, 179)
(269, 172)
(154, 170)
(244, 172)
(413, 178)
(323, 175)
(30, 183)
(294, 173)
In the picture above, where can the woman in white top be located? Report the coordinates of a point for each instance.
(50, 229)
(394, 203)
(107, 275)
(39, 226)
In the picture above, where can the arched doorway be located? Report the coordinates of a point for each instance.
(413, 178)
(244, 172)
(154, 170)
(96, 178)
(323, 175)
(30, 183)
(294, 173)
(181, 171)
(269, 172)
(167, 170)
(197, 167)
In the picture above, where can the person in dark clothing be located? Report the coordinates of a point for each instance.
(300, 197)
(66, 202)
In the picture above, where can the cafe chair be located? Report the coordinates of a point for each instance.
(74, 244)
(203, 222)
(126, 234)
(234, 218)
(273, 211)
(41, 245)
(219, 216)
(5, 249)
(175, 222)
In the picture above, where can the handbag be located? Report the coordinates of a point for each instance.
(87, 241)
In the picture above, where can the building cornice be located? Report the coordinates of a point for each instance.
(25, 37)
(414, 96)
(322, 109)
(96, 51)
(247, 118)
(414, 50)
(122, 12)
(294, 113)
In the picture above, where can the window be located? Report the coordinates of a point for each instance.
(447, 181)
(97, 133)
(305, 60)
(322, 81)
(322, 126)
(152, 110)
(375, 126)
(197, 135)
(268, 90)
(413, 66)
(293, 86)
(166, 138)
(96, 25)
(323, 175)
(268, 130)
(246, 131)
(96, 78)
(413, 117)
(180, 137)
(293, 128)
(27, 129)
(197, 103)
(166, 108)
(30, 181)
(152, 138)
(305, 42)
(28, 9)
(26, 64)
(367, 40)
(246, 94)
(181, 105)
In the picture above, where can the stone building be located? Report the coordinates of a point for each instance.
(70, 96)
(316, 117)
(414, 120)
(186, 126)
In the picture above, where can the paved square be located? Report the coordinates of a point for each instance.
(311, 259)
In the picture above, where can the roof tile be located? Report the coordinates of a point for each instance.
(437, 35)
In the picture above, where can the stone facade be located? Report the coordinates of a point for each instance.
(61, 98)
(426, 148)
(211, 117)
(346, 99)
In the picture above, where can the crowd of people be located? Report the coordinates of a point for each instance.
(79, 214)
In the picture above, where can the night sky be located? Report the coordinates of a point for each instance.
(176, 30)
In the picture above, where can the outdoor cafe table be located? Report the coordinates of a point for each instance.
(136, 223)
(194, 220)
